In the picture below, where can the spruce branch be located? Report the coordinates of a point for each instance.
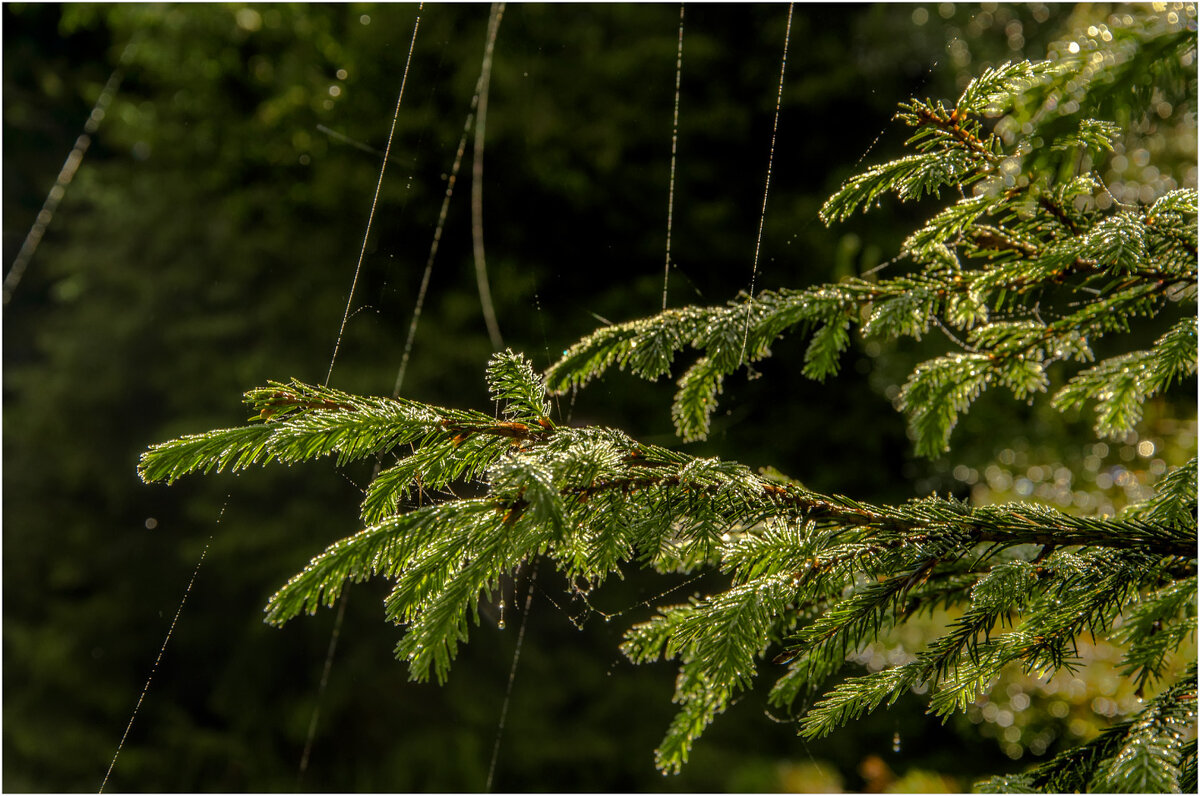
(385, 549)
(994, 91)
(900, 306)
(1174, 502)
(812, 577)
(700, 701)
(1149, 748)
(511, 380)
(1155, 628)
(1187, 771)
(1121, 385)
(212, 451)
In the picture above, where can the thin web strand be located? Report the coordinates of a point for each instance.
(433, 248)
(67, 173)
(481, 94)
(537, 304)
(329, 653)
(582, 594)
(884, 129)
(762, 217)
(512, 676)
(311, 735)
(674, 149)
(480, 103)
(870, 147)
(337, 625)
(161, 650)
(375, 199)
(485, 299)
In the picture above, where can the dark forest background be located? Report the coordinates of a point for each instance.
(207, 245)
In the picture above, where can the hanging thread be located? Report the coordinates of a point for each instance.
(375, 199)
(767, 188)
(154, 667)
(512, 676)
(337, 625)
(481, 95)
(316, 714)
(674, 147)
(67, 173)
(433, 250)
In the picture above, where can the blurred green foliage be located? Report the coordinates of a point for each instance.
(207, 245)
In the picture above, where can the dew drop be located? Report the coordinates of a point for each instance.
(896, 742)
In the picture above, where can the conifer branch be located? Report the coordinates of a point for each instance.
(814, 577)
(1121, 385)
(1148, 742)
